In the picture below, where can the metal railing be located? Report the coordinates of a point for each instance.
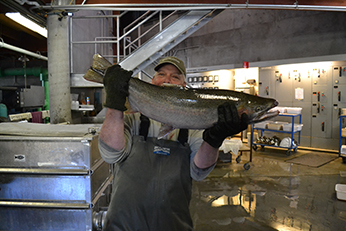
(136, 42)
(131, 38)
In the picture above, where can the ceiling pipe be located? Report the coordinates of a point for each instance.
(145, 7)
(20, 50)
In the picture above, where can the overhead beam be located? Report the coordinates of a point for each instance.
(269, 2)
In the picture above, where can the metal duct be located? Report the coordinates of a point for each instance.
(145, 7)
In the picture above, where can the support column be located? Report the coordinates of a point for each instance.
(59, 67)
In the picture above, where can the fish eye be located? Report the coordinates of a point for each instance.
(258, 108)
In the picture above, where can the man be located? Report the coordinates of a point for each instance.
(153, 178)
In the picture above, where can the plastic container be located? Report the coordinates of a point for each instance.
(75, 105)
(288, 127)
(280, 109)
(293, 110)
(262, 125)
(340, 191)
(343, 132)
(343, 150)
(276, 125)
(343, 111)
(273, 126)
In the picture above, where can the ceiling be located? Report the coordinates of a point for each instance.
(17, 35)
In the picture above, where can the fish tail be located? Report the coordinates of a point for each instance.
(97, 70)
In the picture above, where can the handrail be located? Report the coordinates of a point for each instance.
(150, 29)
(136, 20)
(130, 44)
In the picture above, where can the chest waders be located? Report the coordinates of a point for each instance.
(152, 191)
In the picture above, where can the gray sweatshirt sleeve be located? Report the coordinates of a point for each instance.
(195, 141)
(109, 154)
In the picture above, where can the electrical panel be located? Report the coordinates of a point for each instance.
(220, 79)
(315, 87)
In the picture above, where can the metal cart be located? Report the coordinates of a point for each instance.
(342, 118)
(292, 132)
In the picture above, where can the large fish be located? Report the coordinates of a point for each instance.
(181, 107)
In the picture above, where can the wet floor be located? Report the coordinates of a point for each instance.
(272, 195)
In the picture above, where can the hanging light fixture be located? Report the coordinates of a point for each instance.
(15, 16)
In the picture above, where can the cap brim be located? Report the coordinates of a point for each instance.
(161, 64)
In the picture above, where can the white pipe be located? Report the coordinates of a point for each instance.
(145, 7)
(20, 50)
(22, 2)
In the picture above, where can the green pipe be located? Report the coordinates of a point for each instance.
(34, 71)
(46, 91)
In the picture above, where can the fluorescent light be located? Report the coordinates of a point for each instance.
(27, 23)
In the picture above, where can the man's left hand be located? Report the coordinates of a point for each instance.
(228, 124)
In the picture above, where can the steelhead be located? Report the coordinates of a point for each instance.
(189, 108)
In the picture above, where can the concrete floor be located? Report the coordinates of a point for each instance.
(272, 195)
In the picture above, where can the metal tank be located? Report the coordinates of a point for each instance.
(52, 177)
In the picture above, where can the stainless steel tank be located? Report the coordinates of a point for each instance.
(51, 177)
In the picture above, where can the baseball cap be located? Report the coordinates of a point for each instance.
(174, 61)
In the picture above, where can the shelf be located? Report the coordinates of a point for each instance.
(77, 80)
(85, 108)
(274, 146)
(272, 130)
(290, 115)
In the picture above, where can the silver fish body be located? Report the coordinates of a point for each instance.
(180, 107)
(193, 108)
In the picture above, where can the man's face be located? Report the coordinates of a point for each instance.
(168, 73)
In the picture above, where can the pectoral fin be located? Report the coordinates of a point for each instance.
(164, 131)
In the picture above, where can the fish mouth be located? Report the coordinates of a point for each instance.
(265, 116)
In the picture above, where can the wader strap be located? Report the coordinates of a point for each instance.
(183, 135)
(144, 126)
(144, 129)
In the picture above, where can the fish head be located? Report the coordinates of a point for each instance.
(258, 108)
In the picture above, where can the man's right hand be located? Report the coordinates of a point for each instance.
(116, 84)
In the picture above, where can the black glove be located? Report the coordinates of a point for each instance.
(228, 124)
(116, 83)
